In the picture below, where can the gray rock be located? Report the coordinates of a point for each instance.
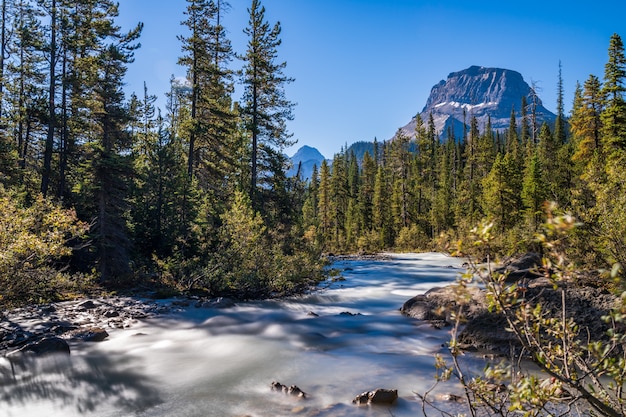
(292, 390)
(437, 304)
(93, 334)
(379, 396)
(47, 346)
(87, 305)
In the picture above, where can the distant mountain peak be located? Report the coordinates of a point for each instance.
(306, 158)
(479, 92)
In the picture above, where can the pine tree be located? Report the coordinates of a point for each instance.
(265, 110)
(610, 188)
(366, 193)
(339, 197)
(468, 206)
(380, 210)
(107, 164)
(324, 208)
(207, 53)
(614, 114)
(443, 210)
(25, 90)
(534, 192)
(500, 196)
(52, 84)
(311, 202)
(560, 132)
(585, 122)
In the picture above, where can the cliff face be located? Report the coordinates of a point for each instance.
(480, 92)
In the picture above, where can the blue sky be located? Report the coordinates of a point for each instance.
(363, 68)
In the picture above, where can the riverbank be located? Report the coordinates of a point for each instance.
(345, 339)
(586, 303)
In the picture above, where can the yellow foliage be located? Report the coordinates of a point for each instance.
(33, 239)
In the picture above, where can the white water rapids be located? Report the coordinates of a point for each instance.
(220, 362)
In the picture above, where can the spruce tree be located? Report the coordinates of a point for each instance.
(611, 189)
(614, 113)
(107, 166)
(366, 193)
(265, 109)
(207, 53)
(560, 132)
(585, 122)
(324, 208)
(500, 196)
(534, 192)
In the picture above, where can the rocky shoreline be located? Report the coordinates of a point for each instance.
(50, 328)
(485, 331)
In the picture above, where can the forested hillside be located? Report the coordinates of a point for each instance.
(420, 192)
(99, 188)
(103, 190)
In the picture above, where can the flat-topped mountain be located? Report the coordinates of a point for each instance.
(480, 92)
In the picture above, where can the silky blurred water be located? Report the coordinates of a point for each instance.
(335, 343)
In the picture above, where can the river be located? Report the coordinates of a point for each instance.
(344, 339)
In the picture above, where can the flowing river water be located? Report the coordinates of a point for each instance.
(344, 339)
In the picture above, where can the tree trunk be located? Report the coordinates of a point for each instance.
(47, 157)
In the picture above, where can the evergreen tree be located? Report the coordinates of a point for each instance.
(586, 124)
(443, 212)
(107, 164)
(500, 196)
(366, 193)
(311, 203)
(560, 131)
(265, 110)
(614, 113)
(340, 195)
(211, 126)
(52, 49)
(611, 188)
(324, 208)
(534, 192)
(380, 210)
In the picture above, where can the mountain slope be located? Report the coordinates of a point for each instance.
(483, 93)
(306, 157)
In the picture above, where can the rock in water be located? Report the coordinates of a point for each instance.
(293, 390)
(47, 346)
(93, 334)
(379, 396)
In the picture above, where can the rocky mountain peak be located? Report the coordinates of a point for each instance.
(481, 92)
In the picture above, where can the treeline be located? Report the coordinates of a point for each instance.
(98, 187)
(422, 193)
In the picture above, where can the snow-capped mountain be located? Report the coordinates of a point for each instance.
(479, 92)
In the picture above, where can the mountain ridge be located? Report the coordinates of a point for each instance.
(481, 92)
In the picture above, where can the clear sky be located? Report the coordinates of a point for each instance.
(363, 68)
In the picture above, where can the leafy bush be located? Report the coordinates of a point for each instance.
(33, 245)
(579, 374)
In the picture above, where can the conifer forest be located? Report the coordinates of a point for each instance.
(102, 191)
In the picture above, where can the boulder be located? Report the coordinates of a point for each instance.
(87, 305)
(92, 334)
(47, 346)
(585, 305)
(437, 304)
(379, 396)
(292, 390)
(526, 266)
